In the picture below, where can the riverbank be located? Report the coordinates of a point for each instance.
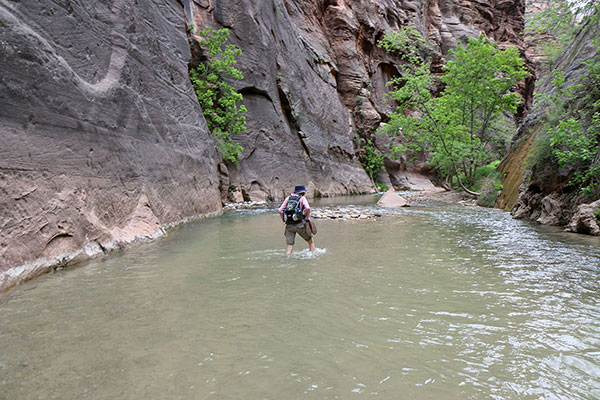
(141, 233)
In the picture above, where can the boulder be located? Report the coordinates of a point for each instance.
(391, 199)
(551, 211)
(584, 220)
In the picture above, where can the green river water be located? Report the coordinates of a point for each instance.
(428, 302)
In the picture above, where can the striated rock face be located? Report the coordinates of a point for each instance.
(315, 82)
(102, 139)
(298, 130)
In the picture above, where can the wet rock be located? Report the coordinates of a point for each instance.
(245, 205)
(344, 213)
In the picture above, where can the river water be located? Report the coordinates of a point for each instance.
(429, 302)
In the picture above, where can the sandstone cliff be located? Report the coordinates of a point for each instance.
(103, 141)
(316, 80)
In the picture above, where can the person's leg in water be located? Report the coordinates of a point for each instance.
(311, 245)
(290, 239)
(290, 247)
(290, 233)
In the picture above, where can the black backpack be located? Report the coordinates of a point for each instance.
(292, 213)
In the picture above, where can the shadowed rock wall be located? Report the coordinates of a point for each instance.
(316, 80)
(540, 192)
(102, 139)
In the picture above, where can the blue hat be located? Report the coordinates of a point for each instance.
(299, 189)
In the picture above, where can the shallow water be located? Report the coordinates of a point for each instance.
(429, 302)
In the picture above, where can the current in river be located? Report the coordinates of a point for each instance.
(433, 301)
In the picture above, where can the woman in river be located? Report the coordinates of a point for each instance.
(295, 213)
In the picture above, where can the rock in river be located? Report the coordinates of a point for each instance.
(392, 199)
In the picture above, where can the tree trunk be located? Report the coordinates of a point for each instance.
(463, 187)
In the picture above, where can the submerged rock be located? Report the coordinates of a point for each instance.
(344, 213)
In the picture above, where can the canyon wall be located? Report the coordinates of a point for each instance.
(103, 142)
(536, 190)
(315, 82)
(102, 139)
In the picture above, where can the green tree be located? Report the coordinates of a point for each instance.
(460, 129)
(219, 99)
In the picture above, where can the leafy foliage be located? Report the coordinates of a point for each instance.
(406, 43)
(573, 127)
(557, 24)
(372, 160)
(461, 128)
(219, 100)
(488, 183)
(382, 187)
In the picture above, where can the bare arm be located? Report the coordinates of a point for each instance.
(307, 214)
(306, 210)
(283, 208)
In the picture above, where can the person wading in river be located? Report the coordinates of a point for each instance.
(295, 212)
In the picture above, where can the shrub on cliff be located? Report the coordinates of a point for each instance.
(219, 100)
(554, 25)
(461, 129)
(372, 160)
(572, 130)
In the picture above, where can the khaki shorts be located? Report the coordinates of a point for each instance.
(292, 229)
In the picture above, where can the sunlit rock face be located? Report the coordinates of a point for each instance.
(315, 82)
(102, 141)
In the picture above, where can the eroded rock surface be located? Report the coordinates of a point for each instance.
(586, 219)
(102, 140)
(315, 82)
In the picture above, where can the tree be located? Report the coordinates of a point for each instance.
(460, 128)
(218, 99)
